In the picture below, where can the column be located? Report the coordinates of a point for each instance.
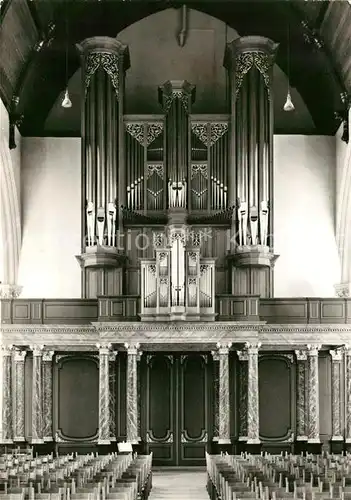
(104, 394)
(47, 395)
(37, 395)
(112, 394)
(253, 424)
(215, 357)
(132, 393)
(249, 61)
(348, 396)
(313, 394)
(224, 395)
(18, 410)
(243, 393)
(104, 62)
(7, 407)
(302, 395)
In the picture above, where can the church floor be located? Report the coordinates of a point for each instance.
(179, 484)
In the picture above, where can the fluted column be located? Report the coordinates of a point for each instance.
(243, 394)
(223, 400)
(348, 394)
(176, 98)
(37, 395)
(132, 393)
(249, 61)
(104, 394)
(7, 406)
(18, 411)
(215, 357)
(47, 395)
(112, 394)
(313, 394)
(302, 395)
(253, 418)
(104, 61)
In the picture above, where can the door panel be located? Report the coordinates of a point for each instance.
(175, 392)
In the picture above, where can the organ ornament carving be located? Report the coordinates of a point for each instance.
(109, 62)
(201, 131)
(177, 194)
(217, 131)
(199, 168)
(153, 131)
(155, 168)
(209, 133)
(246, 61)
(136, 130)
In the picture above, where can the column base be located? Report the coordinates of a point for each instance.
(254, 447)
(219, 446)
(314, 446)
(337, 444)
(19, 439)
(300, 445)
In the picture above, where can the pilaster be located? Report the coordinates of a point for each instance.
(7, 406)
(223, 400)
(348, 396)
(132, 393)
(302, 395)
(215, 358)
(243, 394)
(37, 395)
(313, 394)
(18, 410)
(47, 396)
(253, 424)
(112, 394)
(104, 394)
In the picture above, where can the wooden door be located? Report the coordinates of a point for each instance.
(176, 416)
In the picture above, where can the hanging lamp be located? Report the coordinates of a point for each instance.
(66, 101)
(288, 106)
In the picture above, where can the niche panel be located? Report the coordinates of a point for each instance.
(275, 397)
(77, 398)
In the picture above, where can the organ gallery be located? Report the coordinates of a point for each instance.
(171, 287)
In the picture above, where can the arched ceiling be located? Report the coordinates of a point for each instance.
(33, 44)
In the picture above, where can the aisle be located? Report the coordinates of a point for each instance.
(179, 485)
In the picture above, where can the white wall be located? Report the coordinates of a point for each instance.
(304, 217)
(51, 203)
(304, 208)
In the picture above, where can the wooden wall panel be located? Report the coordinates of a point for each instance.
(275, 397)
(77, 397)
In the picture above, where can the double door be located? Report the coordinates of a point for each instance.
(176, 413)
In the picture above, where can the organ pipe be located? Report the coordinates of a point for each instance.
(249, 61)
(104, 61)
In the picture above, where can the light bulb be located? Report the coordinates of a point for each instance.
(66, 103)
(288, 106)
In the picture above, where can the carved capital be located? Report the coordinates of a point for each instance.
(301, 355)
(343, 290)
(223, 349)
(336, 354)
(243, 355)
(7, 350)
(252, 348)
(37, 350)
(19, 356)
(132, 349)
(48, 355)
(10, 291)
(313, 349)
(112, 356)
(104, 349)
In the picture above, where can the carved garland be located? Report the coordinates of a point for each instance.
(176, 94)
(136, 130)
(246, 61)
(109, 63)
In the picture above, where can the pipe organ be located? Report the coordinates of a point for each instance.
(174, 171)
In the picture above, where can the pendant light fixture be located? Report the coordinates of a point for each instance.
(288, 106)
(66, 102)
